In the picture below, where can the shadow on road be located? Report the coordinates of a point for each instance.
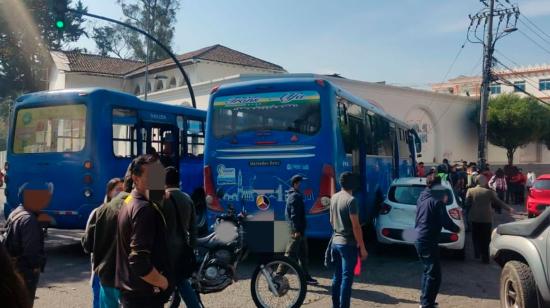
(398, 266)
(66, 261)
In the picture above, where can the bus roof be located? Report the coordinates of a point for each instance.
(284, 82)
(35, 98)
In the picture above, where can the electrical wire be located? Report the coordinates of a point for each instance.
(535, 32)
(534, 42)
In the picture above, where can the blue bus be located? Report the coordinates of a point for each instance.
(260, 133)
(79, 139)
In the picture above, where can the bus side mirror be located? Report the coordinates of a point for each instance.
(418, 155)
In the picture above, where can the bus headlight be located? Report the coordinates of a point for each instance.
(87, 193)
(325, 201)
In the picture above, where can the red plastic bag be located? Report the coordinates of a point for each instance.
(357, 269)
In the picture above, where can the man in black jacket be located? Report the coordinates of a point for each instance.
(142, 261)
(431, 217)
(295, 213)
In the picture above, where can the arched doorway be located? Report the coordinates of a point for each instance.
(422, 121)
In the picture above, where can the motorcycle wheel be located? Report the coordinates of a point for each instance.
(288, 279)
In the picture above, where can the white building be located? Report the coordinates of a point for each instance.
(77, 70)
(531, 79)
(442, 120)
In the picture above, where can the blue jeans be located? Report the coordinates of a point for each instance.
(345, 257)
(431, 277)
(109, 297)
(188, 294)
(95, 290)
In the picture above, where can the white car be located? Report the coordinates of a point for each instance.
(397, 215)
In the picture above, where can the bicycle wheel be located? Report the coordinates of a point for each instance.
(278, 283)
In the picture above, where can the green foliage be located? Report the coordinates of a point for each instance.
(513, 121)
(156, 17)
(27, 34)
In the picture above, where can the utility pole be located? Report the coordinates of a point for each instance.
(64, 9)
(485, 84)
(507, 16)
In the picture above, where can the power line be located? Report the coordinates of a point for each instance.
(534, 25)
(534, 42)
(535, 32)
(508, 82)
(528, 79)
(534, 83)
(516, 87)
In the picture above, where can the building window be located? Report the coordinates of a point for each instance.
(159, 86)
(544, 84)
(172, 83)
(494, 88)
(137, 90)
(519, 86)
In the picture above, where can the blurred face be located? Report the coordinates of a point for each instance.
(150, 183)
(36, 200)
(116, 190)
(297, 185)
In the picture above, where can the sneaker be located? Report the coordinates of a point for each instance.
(312, 281)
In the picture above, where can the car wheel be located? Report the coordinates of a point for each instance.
(517, 286)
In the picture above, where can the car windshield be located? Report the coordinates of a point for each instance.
(408, 194)
(542, 184)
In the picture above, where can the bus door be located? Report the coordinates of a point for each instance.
(358, 165)
(160, 135)
(191, 133)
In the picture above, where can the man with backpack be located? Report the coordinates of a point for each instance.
(24, 237)
(179, 212)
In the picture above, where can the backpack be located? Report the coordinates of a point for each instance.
(181, 245)
(8, 233)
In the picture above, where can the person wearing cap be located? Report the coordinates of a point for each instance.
(295, 214)
(24, 239)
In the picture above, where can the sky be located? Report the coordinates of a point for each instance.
(403, 42)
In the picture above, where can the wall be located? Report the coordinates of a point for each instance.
(80, 80)
(56, 78)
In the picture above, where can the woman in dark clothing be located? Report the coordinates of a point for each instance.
(13, 292)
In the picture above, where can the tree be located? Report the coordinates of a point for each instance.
(111, 41)
(157, 17)
(27, 34)
(513, 121)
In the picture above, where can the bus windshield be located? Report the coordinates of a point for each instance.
(296, 111)
(50, 129)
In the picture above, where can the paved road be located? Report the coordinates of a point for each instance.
(389, 279)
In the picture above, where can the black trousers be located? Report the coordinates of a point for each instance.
(142, 301)
(297, 249)
(481, 237)
(31, 277)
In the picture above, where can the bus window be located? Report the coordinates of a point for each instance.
(124, 133)
(402, 141)
(124, 141)
(50, 129)
(192, 136)
(381, 135)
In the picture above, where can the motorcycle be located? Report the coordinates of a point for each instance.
(277, 281)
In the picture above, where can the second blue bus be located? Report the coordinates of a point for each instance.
(261, 133)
